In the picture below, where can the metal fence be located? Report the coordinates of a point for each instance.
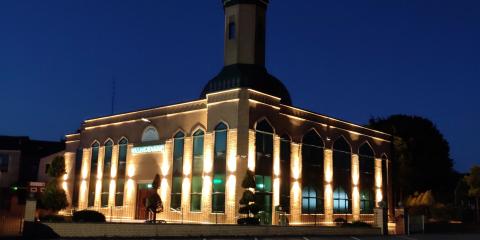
(182, 216)
(11, 224)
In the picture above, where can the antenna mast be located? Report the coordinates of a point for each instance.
(113, 95)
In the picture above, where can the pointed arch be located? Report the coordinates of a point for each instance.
(342, 144)
(179, 134)
(95, 143)
(197, 128)
(108, 142)
(366, 149)
(222, 125)
(198, 132)
(264, 125)
(123, 141)
(150, 134)
(313, 138)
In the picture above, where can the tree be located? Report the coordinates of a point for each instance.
(421, 159)
(247, 202)
(153, 202)
(473, 181)
(54, 198)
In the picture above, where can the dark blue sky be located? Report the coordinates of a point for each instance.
(348, 59)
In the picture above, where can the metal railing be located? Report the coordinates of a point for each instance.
(10, 224)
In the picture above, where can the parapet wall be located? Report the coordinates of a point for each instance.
(188, 230)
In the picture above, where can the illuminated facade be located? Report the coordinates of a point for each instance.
(316, 167)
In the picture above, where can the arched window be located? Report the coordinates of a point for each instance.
(93, 173)
(312, 172)
(176, 194)
(197, 171)
(367, 178)
(121, 170)
(342, 178)
(285, 169)
(264, 167)
(107, 166)
(150, 134)
(219, 168)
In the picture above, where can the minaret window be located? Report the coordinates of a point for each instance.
(232, 30)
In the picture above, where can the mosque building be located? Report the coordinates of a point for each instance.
(317, 168)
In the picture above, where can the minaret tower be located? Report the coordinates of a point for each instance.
(245, 31)
(244, 64)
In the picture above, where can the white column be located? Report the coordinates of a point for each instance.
(276, 174)
(98, 185)
(187, 170)
(83, 193)
(295, 194)
(113, 176)
(231, 184)
(207, 175)
(355, 187)
(378, 181)
(130, 192)
(328, 171)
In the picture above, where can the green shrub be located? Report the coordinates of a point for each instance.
(360, 224)
(88, 216)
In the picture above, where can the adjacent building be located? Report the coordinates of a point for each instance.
(318, 168)
(19, 163)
